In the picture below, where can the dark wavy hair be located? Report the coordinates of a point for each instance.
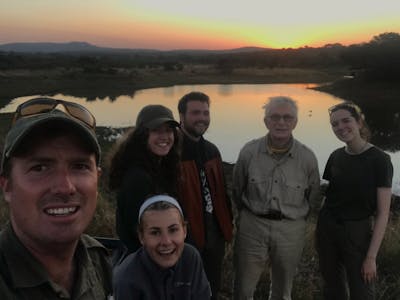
(132, 150)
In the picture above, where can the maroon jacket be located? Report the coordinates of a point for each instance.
(203, 153)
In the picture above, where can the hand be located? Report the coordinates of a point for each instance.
(368, 270)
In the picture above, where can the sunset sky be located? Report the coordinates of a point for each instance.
(206, 24)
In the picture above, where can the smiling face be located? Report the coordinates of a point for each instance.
(161, 139)
(196, 119)
(162, 235)
(345, 126)
(280, 121)
(52, 192)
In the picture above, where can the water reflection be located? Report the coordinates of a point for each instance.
(237, 115)
(225, 89)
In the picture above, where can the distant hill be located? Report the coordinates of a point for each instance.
(79, 47)
(53, 47)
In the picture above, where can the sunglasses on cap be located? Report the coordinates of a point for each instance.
(39, 106)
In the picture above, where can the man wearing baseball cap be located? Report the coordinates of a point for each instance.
(49, 173)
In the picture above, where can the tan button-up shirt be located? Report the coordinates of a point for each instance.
(262, 182)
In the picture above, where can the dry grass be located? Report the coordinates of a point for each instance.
(308, 282)
(389, 262)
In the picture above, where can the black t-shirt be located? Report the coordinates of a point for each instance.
(353, 182)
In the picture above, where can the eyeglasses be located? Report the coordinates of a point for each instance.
(347, 106)
(286, 118)
(39, 106)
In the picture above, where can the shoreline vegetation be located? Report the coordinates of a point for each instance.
(125, 81)
(307, 285)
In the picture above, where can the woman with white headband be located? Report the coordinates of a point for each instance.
(164, 267)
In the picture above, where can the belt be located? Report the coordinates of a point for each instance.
(272, 215)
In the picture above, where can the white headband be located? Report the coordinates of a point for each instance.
(155, 199)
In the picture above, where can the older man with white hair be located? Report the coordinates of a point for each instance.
(274, 180)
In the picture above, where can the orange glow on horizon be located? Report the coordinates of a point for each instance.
(222, 24)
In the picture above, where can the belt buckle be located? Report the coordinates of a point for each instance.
(274, 215)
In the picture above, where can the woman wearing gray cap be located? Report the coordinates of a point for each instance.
(144, 162)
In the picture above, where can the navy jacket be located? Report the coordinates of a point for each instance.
(139, 278)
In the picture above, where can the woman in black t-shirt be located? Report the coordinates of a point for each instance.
(354, 216)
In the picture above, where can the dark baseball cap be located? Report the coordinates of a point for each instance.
(24, 126)
(154, 115)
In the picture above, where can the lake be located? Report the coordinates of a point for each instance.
(236, 115)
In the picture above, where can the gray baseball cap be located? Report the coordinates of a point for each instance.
(23, 126)
(152, 116)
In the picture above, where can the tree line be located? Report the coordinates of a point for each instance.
(378, 59)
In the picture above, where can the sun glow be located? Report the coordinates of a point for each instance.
(221, 24)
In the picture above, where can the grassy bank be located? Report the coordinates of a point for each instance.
(366, 93)
(379, 101)
(77, 83)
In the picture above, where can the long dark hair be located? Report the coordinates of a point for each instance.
(132, 150)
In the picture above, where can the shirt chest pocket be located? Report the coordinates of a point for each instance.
(296, 192)
(258, 186)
